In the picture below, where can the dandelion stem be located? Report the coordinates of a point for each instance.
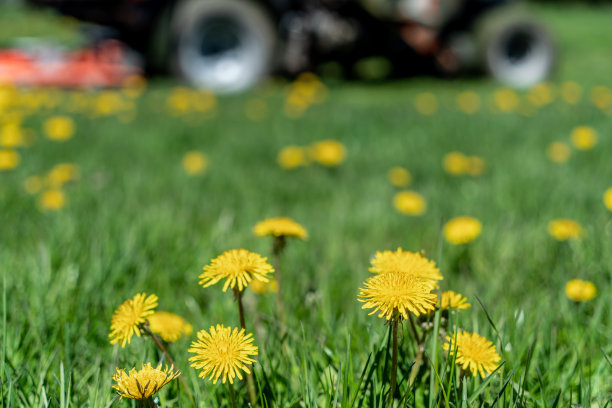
(145, 328)
(232, 395)
(249, 377)
(146, 403)
(393, 360)
(277, 249)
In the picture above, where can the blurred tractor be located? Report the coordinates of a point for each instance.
(229, 45)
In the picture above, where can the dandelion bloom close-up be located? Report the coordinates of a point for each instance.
(238, 267)
(329, 153)
(580, 291)
(222, 353)
(129, 316)
(583, 137)
(409, 203)
(280, 227)
(474, 352)
(143, 383)
(397, 294)
(563, 229)
(453, 300)
(462, 230)
(169, 326)
(411, 263)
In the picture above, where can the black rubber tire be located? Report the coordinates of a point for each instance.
(515, 49)
(223, 45)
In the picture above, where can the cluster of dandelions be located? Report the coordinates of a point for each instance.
(328, 153)
(403, 287)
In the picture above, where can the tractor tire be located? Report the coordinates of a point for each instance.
(514, 49)
(223, 45)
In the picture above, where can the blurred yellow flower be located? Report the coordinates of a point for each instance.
(195, 162)
(399, 177)
(453, 300)
(541, 94)
(506, 99)
(33, 184)
(329, 153)
(571, 92)
(12, 135)
(563, 229)
(468, 102)
(129, 316)
(52, 200)
(203, 100)
(462, 230)
(238, 267)
(409, 203)
(222, 353)
(256, 109)
(59, 128)
(580, 291)
(558, 152)
(456, 163)
(475, 165)
(474, 352)
(291, 157)
(607, 199)
(9, 159)
(426, 103)
(280, 226)
(179, 101)
(108, 103)
(142, 384)
(61, 174)
(583, 137)
(134, 86)
(601, 97)
(260, 287)
(169, 326)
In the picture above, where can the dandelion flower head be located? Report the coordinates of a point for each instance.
(144, 383)
(61, 174)
(280, 227)
(238, 267)
(456, 163)
(406, 262)
(169, 326)
(409, 203)
(59, 128)
(462, 230)
(129, 316)
(291, 157)
(222, 353)
(583, 137)
(52, 200)
(580, 291)
(329, 153)
(426, 103)
(9, 159)
(395, 294)
(399, 177)
(474, 352)
(563, 229)
(468, 102)
(453, 300)
(195, 162)
(558, 152)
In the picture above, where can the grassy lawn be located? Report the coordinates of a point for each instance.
(135, 221)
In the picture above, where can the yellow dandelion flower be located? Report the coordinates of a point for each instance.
(468, 102)
(280, 226)
(474, 352)
(541, 94)
(291, 157)
(61, 174)
(195, 162)
(144, 383)
(238, 267)
(601, 97)
(506, 99)
(583, 137)
(475, 166)
(399, 177)
(580, 291)
(563, 229)
(410, 263)
(179, 100)
(607, 199)
(52, 200)
(129, 316)
(134, 85)
(59, 128)
(33, 184)
(453, 300)
(9, 159)
(395, 294)
(426, 103)
(409, 203)
(222, 353)
(571, 92)
(12, 135)
(461, 230)
(558, 152)
(329, 153)
(456, 163)
(108, 103)
(169, 326)
(260, 287)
